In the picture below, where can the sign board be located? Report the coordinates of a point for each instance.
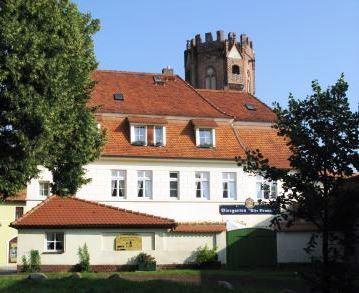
(241, 209)
(128, 242)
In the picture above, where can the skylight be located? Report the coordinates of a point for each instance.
(250, 107)
(118, 96)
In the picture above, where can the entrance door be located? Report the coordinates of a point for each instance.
(13, 250)
(251, 247)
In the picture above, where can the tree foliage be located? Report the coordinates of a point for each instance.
(46, 58)
(322, 135)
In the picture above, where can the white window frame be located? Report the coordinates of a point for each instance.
(198, 141)
(118, 175)
(226, 178)
(55, 241)
(133, 133)
(41, 189)
(177, 180)
(271, 185)
(163, 134)
(145, 176)
(202, 179)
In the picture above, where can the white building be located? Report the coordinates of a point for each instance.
(170, 153)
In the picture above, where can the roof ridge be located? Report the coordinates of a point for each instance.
(29, 212)
(120, 209)
(208, 102)
(127, 72)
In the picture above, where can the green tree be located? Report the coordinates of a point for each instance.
(46, 58)
(322, 135)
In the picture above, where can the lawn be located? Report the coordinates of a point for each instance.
(173, 281)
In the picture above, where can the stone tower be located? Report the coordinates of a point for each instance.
(221, 63)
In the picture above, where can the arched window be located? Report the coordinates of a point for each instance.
(210, 80)
(249, 81)
(235, 69)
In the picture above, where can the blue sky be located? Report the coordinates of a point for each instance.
(295, 41)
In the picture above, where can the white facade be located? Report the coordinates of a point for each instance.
(167, 247)
(186, 208)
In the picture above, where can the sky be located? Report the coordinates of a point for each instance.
(295, 42)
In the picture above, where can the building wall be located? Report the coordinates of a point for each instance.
(158, 243)
(184, 209)
(7, 215)
(290, 247)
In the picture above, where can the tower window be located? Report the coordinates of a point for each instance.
(210, 80)
(235, 69)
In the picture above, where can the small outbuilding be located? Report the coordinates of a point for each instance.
(59, 226)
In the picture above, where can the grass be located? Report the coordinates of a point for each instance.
(173, 281)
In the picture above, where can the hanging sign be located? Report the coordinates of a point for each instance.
(249, 208)
(128, 242)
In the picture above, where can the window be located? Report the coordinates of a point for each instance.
(19, 211)
(174, 184)
(55, 242)
(202, 185)
(140, 135)
(118, 183)
(44, 188)
(158, 136)
(265, 189)
(144, 184)
(205, 137)
(210, 80)
(229, 185)
(235, 69)
(249, 81)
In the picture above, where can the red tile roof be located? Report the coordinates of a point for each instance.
(272, 146)
(180, 141)
(144, 97)
(204, 123)
(147, 120)
(234, 103)
(71, 212)
(18, 197)
(200, 228)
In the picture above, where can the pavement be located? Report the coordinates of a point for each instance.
(7, 270)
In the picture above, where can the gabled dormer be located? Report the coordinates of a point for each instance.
(205, 132)
(146, 131)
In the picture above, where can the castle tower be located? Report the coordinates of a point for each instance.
(221, 63)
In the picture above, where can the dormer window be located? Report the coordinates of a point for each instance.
(205, 137)
(146, 131)
(235, 69)
(205, 133)
(140, 135)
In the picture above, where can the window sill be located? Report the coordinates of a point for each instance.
(205, 147)
(139, 143)
(53, 252)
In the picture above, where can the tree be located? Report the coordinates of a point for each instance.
(322, 136)
(46, 58)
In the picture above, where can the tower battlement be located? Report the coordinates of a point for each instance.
(221, 62)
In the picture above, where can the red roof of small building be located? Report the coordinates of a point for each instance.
(200, 228)
(143, 96)
(71, 212)
(147, 120)
(233, 103)
(204, 123)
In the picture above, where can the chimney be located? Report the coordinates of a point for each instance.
(167, 70)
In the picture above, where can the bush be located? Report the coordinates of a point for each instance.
(84, 256)
(35, 261)
(32, 264)
(146, 262)
(25, 264)
(204, 255)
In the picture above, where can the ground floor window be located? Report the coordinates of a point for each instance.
(55, 241)
(13, 250)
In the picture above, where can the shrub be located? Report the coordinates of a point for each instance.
(204, 255)
(146, 262)
(35, 261)
(84, 256)
(25, 264)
